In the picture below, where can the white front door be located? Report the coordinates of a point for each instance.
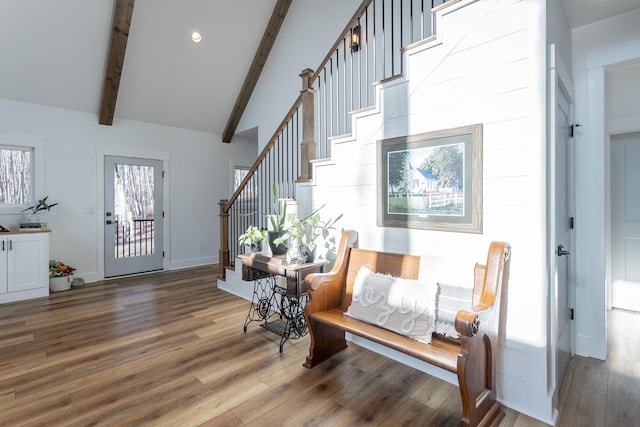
(625, 221)
(563, 236)
(133, 207)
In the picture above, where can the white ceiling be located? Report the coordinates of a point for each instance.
(54, 53)
(583, 12)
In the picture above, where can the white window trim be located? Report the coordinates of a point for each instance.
(233, 175)
(38, 145)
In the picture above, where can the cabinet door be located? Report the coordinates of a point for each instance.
(3, 265)
(27, 262)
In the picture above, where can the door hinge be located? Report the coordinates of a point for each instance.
(571, 313)
(571, 222)
(163, 172)
(163, 216)
(163, 257)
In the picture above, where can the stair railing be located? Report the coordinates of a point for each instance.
(343, 83)
(251, 202)
(369, 51)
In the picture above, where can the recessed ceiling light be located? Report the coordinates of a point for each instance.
(196, 37)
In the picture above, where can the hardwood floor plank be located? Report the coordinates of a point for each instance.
(227, 419)
(623, 394)
(384, 393)
(433, 392)
(135, 399)
(589, 386)
(210, 405)
(447, 414)
(11, 340)
(409, 413)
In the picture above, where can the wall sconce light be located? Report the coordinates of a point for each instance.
(355, 38)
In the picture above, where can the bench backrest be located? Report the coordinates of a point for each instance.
(487, 280)
(398, 265)
(490, 280)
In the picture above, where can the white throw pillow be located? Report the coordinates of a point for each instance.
(403, 306)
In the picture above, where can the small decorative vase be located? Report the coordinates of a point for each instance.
(293, 253)
(59, 283)
(306, 254)
(34, 219)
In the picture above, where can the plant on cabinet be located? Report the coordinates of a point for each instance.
(252, 238)
(278, 220)
(38, 207)
(304, 234)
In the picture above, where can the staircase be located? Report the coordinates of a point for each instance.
(369, 52)
(486, 64)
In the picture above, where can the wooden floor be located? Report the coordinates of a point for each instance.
(606, 393)
(167, 349)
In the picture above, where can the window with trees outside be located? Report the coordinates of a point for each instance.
(239, 172)
(17, 168)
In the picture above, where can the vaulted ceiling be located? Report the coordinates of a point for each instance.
(55, 53)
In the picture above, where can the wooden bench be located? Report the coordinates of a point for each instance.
(471, 357)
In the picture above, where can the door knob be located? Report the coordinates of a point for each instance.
(561, 251)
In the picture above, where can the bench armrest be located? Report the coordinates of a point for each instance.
(467, 323)
(486, 307)
(326, 289)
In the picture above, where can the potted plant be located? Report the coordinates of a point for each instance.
(303, 233)
(278, 220)
(315, 228)
(59, 276)
(252, 238)
(40, 206)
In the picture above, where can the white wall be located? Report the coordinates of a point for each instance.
(622, 111)
(559, 31)
(488, 66)
(622, 107)
(198, 177)
(595, 47)
(308, 32)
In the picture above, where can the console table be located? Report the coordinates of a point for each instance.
(272, 299)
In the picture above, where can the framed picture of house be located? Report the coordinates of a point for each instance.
(431, 181)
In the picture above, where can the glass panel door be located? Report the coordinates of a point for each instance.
(133, 216)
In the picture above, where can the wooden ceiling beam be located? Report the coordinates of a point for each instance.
(119, 36)
(260, 58)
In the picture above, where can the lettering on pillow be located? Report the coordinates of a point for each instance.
(404, 306)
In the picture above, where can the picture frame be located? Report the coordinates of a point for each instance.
(431, 181)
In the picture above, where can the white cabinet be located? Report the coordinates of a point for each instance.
(24, 266)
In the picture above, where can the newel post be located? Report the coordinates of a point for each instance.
(223, 253)
(308, 144)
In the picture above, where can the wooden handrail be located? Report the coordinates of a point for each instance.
(347, 29)
(223, 251)
(263, 153)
